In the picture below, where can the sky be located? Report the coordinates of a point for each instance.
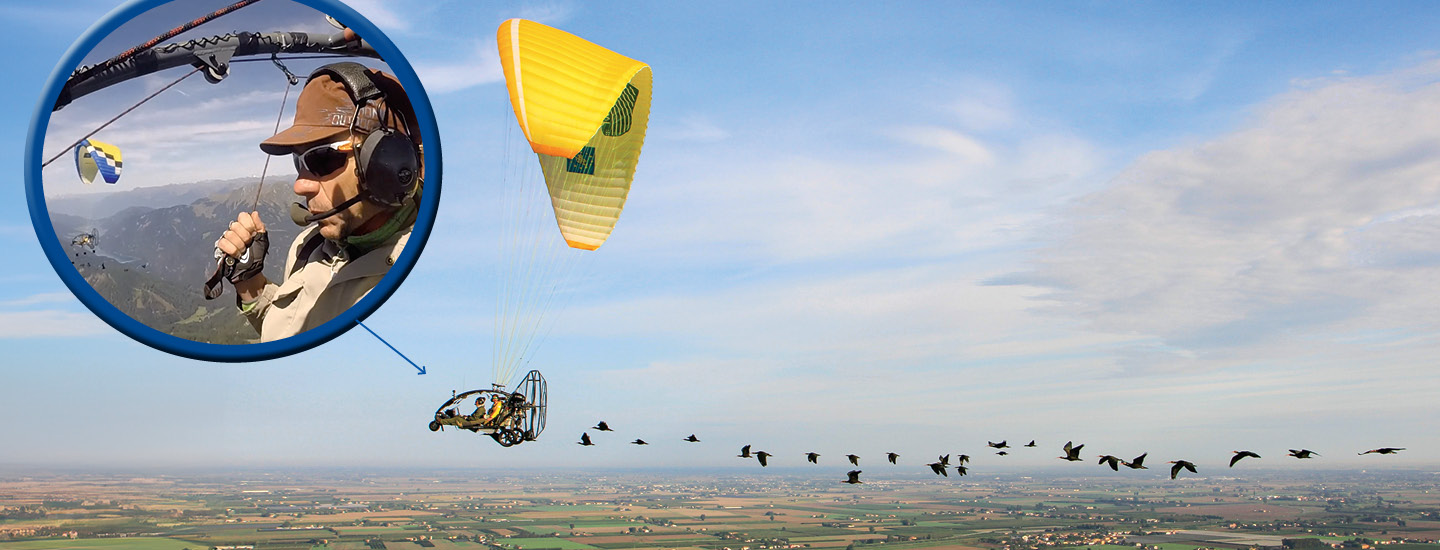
(1175, 228)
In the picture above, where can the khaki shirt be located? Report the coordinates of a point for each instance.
(322, 286)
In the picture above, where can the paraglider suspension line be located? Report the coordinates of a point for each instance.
(292, 81)
(68, 148)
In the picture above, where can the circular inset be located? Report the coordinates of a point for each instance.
(182, 136)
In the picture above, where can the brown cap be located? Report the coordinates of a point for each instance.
(323, 114)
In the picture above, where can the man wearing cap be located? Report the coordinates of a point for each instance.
(358, 160)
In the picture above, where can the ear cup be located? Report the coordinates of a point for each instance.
(388, 161)
(388, 166)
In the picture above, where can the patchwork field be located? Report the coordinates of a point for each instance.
(466, 511)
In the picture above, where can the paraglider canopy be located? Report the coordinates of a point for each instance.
(98, 158)
(584, 110)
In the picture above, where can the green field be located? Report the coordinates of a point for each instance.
(546, 542)
(1176, 546)
(129, 543)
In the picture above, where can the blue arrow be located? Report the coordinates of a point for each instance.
(392, 348)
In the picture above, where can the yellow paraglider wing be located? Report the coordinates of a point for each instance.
(584, 110)
(94, 158)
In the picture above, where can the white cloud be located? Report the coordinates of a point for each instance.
(982, 106)
(697, 128)
(966, 149)
(481, 67)
(1314, 218)
(42, 298)
(48, 323)
(896, 316)
(380, 13)
(759, 203)
(552, 14)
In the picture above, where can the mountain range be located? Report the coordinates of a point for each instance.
(156, 248)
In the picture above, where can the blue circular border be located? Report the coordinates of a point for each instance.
(59, 258)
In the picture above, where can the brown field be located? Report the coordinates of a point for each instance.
(356, 516)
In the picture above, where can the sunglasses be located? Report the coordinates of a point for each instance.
(323, 160)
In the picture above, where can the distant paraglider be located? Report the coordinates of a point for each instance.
(94, 158)
(86, 240)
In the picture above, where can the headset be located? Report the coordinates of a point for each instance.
(387, 162)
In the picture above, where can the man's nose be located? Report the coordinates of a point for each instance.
(306, 187)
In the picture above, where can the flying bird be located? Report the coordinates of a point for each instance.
(639, 441)
(1002, 453)
(892, 457)
(945, 459)
(962, 470)
(962, 459)
(1138, 463)
(814, 458)
(761, 456)
(692, 439)
(938, 468)
(744, 452)
(1031, 443)
(1110, 460)
(602, 426)
(1239, 455)
(854, 476)
(1303, 453)
(585, 440)
(1072, 453)
(1179, 464)
(853, 459)
(1000, 445)
(1384, 450)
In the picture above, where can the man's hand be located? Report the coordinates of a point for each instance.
(237, 239)
(247, 242)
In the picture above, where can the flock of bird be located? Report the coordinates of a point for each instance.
(942, 466)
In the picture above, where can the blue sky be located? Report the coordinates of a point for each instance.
(1171, 227)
